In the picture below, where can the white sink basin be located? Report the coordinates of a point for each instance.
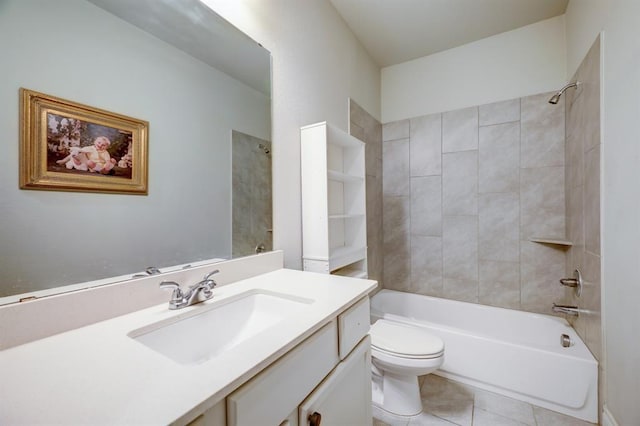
(211, 329)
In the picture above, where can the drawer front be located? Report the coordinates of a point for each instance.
(272, 395)
(353, 325)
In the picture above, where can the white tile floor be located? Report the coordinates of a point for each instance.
(448, 403)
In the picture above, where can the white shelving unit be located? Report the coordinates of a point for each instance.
(334, 220)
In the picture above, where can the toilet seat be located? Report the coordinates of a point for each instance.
(404, 341)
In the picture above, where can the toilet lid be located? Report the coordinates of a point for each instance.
(405, 340)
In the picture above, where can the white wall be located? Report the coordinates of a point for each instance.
(317, 65)
(517, 63)
(76, 51)
(619, 19)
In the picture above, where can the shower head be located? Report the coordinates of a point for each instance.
(555, 98)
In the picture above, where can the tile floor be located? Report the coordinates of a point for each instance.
(448, 403)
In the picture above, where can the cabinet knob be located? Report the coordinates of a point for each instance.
(315, 419)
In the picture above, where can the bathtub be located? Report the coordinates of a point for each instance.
(513, 353)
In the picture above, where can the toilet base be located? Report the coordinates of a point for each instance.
(397, 394)
(381, 414)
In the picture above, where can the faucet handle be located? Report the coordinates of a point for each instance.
(177, 291)
(177, 296)
(210, 274)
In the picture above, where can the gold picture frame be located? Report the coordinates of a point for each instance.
(67, 146)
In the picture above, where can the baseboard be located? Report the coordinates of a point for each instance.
(607, 417)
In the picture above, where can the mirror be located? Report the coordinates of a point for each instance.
(197, 80)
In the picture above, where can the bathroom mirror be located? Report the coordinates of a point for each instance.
(199, 82)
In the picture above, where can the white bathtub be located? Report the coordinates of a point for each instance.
(513, 353)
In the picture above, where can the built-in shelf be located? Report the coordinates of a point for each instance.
(346, 255)
(342, 177)
(552, 241)
(351, 271)
(345, 216)
(334, 231)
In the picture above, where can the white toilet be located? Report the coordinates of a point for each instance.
(399, 354)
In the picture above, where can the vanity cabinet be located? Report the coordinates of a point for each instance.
(344, 397)
(313, 380)
(334, 223)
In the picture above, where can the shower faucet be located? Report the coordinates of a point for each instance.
(566, 309)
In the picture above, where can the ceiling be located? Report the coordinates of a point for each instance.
(396, 31)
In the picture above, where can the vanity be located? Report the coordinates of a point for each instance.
(283, 347)
(271, 347)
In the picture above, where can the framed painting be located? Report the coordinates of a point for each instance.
(67, 146)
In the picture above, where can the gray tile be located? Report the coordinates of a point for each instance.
(396, 264)
(499, 226)
(395, 168)
(462, 290)
(542, 132)
(373, 136)
(426, 419)
(486, 418)
(374, 225)
(357, 131)
(460, 183)
(426, 205)
(550, 418)
(591, 302)
(460, 247)
(386, 419)
(499, 284)
(541, 267)
(574, 160)
(439, 389)
(592, 201)
(395, 216)
(426, 265)
(358, 115)
(447, 400)
(426, 145)
(395, 130)
(542, 204)
(499, 158)
(518, 411)
(499, 112)
(460, 130)
(396, 244)
(575, 228)
(590, 77)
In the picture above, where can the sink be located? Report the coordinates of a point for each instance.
(211, 329)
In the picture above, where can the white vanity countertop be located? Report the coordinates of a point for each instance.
(98, 375)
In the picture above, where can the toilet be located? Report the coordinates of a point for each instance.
(399, 354)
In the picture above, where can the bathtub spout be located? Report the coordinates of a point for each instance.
(566, 309)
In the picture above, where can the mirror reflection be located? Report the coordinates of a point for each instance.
(202, 85)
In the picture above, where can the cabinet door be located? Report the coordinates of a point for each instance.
(344, 397)
(269, 397)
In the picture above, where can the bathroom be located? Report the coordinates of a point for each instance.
(314, 75)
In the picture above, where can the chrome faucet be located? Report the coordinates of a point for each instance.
(195, 294)
(151, 270)
(566, 309)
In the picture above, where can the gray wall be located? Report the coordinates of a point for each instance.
(369, 130)
(76, 51)
(582, 188)
(464, 192)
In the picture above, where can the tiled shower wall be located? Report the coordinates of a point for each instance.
(251, 194)
(465, 191)
(369, 130)
(583, 195)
